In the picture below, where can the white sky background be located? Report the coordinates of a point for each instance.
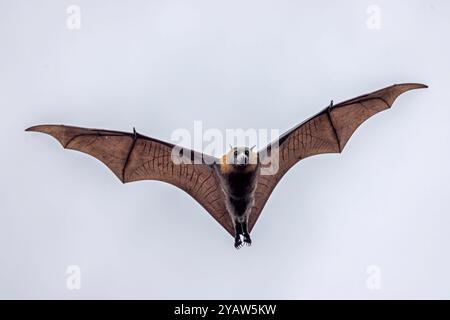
(161, 65)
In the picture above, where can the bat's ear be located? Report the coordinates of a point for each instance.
(251, 149)
(231, 147)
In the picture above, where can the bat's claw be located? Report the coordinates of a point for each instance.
(238, 244)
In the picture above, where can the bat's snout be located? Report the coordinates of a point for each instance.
(242, 160)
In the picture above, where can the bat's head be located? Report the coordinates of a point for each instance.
(240, 157)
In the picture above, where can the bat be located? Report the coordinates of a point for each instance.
(234, 188)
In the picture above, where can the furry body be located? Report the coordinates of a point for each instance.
(237, 175)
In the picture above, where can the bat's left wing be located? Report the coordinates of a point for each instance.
(326, 132)
(134, 157)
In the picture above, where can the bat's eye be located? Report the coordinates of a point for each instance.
(235, 153)
(246, 153)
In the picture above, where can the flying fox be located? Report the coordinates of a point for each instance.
(235, 188)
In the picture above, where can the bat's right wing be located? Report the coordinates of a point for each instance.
(133, 157)
(326, 132)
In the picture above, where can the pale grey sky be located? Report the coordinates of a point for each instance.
(160, 66)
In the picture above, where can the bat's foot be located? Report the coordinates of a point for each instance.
(238, 243)
(247, 240)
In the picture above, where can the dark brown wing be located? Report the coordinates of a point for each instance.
(326, 132)
(134, 157)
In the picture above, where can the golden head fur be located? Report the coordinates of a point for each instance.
(239, 158)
